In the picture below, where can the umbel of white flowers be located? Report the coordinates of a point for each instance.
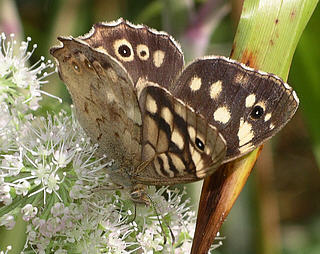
(49, 176)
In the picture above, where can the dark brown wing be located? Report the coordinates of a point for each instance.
(145, 53)
(247, 106)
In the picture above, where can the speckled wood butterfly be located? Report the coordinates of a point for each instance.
(161, 122)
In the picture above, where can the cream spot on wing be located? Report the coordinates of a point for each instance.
(165, 164)
(177, 162)
(143, 52)
(267, 117)
(250, 100)
(215, 89)
(158, 57)
(207, 150)
(123, 50)
(177, 138)
(271, 126)
(167, 116)
(112, 75)
(222, 115)
(192, 132)
(195, 83)
(151, 104)
(241, 78)
(195, 155)
(245, 133)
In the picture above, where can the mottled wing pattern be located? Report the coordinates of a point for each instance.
(104, 99)
(247, 106)
(145, 53)
(179, 144)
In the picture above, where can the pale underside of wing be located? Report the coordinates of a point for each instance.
(179, 144)
(104, 98)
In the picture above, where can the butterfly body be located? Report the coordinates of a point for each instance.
(162, 123)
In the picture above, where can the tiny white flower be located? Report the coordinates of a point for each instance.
(28, 212)
(22, 187)
(41, 172)
(52, 183)
(62, 157)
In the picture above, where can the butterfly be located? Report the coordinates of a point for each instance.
(162, 122)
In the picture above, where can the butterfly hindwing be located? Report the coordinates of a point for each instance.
(180, 144)
(144, 52)
(104, 98)
(247, 106)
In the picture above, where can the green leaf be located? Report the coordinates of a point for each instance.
(269, 31)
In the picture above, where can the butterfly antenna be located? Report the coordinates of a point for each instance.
(158, 217)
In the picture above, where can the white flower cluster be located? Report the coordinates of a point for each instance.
(20, 83)
(49, 175)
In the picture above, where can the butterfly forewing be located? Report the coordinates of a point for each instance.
(104, 98)
(247, 106)
(144, 52)
(180, 144)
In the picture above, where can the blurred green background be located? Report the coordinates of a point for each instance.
(279, 209)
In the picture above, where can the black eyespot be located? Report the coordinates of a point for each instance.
(257, 112)
(124, 51)
(143, 53)
(199, 144)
